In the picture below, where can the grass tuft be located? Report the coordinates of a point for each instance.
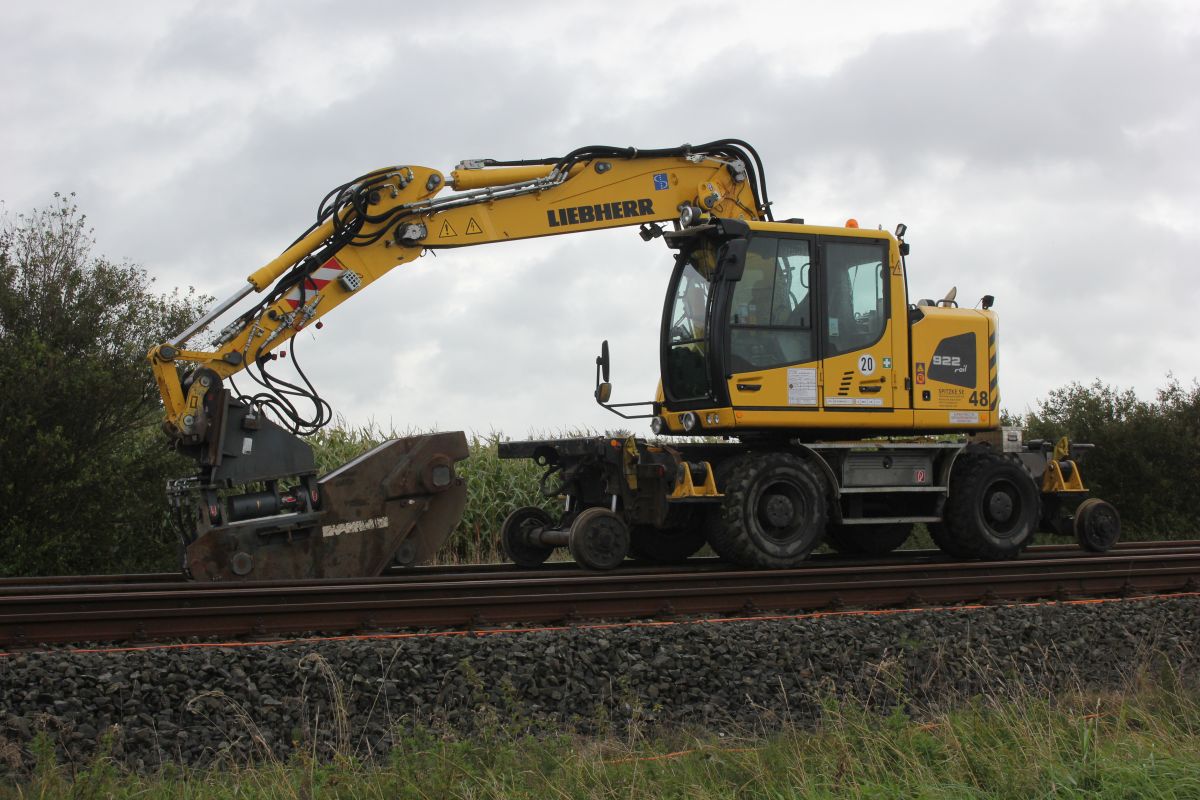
(1081, 744)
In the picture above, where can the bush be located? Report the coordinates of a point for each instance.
(82, 465)
(1147, 456)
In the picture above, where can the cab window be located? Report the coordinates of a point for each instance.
(772, 310)
(855, 295)
(687, 358)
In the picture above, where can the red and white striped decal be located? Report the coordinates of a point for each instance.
(314, 283)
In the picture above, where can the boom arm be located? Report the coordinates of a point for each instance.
(390, 217)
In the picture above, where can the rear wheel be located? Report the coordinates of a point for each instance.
(868, 540)
(1097, 525)
(946, 542)
(773, 514)
(993, 508)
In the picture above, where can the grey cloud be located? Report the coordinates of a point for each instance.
(1024, 159)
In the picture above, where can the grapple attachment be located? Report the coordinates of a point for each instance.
(396, 504)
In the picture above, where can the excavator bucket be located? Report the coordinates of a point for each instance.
(394, 505)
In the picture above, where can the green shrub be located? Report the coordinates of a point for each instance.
(1147, 456)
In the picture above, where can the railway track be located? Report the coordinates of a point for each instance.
(161, 607)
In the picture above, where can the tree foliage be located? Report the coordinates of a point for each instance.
(82, 465)
(1147, 456)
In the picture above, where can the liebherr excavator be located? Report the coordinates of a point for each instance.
(803, 398)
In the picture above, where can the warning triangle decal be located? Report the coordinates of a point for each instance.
(473, 227)
(447, 230)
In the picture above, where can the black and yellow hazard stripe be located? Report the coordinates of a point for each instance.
(993, 385)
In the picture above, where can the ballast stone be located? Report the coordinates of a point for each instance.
(201, 705)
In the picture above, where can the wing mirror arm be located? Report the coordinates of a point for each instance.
(603, 391)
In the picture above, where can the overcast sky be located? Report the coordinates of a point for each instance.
(1045, 153)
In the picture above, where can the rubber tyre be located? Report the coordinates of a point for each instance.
(670, 545)
(946, 541)
(1097, 525)
(599, 539)
(993, 508)
(868, 540)
(515, 547)
(773, 514)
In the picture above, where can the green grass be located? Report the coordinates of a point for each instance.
(1145, 745)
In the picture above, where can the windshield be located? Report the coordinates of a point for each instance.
(686, 376)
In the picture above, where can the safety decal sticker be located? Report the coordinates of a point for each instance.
(866, 364)
(660, 181)
(887, 362)
(447, 230)
(861, 402)
(920, 370)
(315, 282)
(802, 386)
(473, 228)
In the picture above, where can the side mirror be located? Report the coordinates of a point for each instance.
(602, 361)
(603, 387)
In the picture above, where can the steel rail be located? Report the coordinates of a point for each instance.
(52, 583)
(178, 610)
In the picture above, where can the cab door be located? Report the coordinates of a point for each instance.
(858, 372)
(771, 350)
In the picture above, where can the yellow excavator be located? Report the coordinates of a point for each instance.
(803, 396)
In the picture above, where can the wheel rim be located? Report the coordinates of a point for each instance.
(780, 509)
(599, 541)
(1002, 509)
(1101, 526)
(603, 538)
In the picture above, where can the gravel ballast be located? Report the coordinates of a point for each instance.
(198, 704)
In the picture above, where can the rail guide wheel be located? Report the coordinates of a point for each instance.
(1097, 525)
(515, 536)
(599, 539)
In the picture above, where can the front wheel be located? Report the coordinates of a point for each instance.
(773, 514)
(669, 545)
(514, 536)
